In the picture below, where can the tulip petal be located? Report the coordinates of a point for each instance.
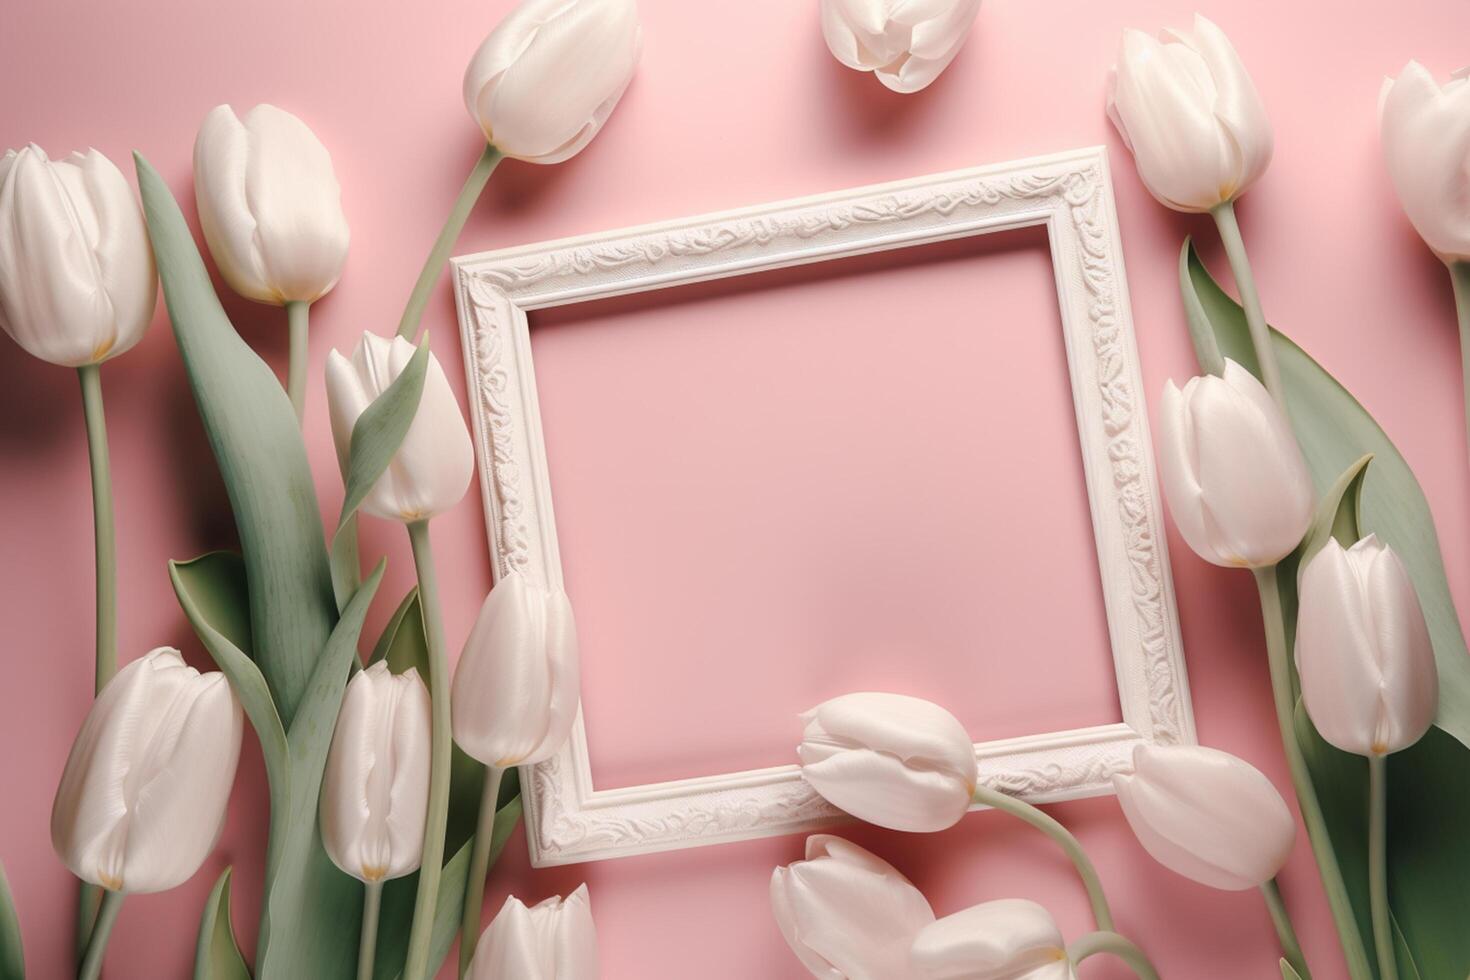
(221, 164)
(1008, 939)
(882, 790)
(1425, 132)
(1238, 106)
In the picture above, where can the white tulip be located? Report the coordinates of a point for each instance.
(1426, 143)
(846, 913)
(269, 204)
(1206, 815)
(142, 798)
(1189, 112)
(432, 469)
(892, 760)
(554, 940)
(1234, 476)
(906, 43)
(1008, 939)
(548, 76)
(1369, 681)
(517, 682)
(77, 282)
(376, 789)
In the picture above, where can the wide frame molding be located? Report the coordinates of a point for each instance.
(1070, 193)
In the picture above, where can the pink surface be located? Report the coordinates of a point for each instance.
(734, 104)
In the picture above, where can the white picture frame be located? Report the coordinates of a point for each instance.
(1070, 193)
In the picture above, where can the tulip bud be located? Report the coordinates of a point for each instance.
(1189, 113)
(554, 940)
(1425, 128)
(1206, 815)
(77, 283)
(269, 204)
(1369, 682)
(432, 469)
(1232, 471)
(899, 762)
(548, 76)
(906, 45)
(142, 798)
(1008, 939)
(847, 913)
(517, 682)
(376, 789)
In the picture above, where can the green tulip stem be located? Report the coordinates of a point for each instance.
(91, 967)
(1460, 276)
(1069, 845)
(367, 943)
(1250, 300)
(420, 935)
(1110, 942)
(1291, 947)
(105, 539)
(102, 521)
(413, 312)
(1378, 866)
(1278, 656)
(474, 896)
(297, 315)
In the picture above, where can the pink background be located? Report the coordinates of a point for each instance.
(855, 490)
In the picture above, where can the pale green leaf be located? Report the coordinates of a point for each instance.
(402, 643)
(256, 440)
(216, 957)
(1287, 973)
(12, 953)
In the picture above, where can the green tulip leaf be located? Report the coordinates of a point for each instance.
(1335, 431)
(216, 956)
(1337, 514)
(402, 642)
(376, 436)
(12, 953)
(212, 591)
(256, 440)
(398, 895)
(1287, 973)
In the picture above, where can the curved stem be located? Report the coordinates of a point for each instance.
(297, 314)
(367, 945)
(474, 896)
(1460, 276)
(97, 946)
(105, 540)
(102, 522)
(1245, 283)
(1378, 866)
(1110, 942)
(1306, 794)
(1291, 947)
(413, 312)
(416, 966)
(1069, 844)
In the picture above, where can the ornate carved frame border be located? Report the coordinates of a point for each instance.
(1071, 195)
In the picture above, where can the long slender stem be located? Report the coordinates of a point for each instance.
(1069, 844)
(474, 896)
(367, 944)
(297, 315)
(1291, 947)
(417, 964)
(413, 312)
(97, 946)
(1245, 282)
(1110, 942)
(102, 522)
(1460, 276)
(1306, 794)
(105, 539)
(1378, 866)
